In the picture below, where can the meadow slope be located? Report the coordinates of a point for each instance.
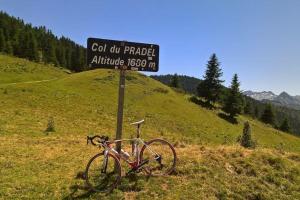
(39, 165)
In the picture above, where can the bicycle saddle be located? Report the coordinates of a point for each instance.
(138, 123)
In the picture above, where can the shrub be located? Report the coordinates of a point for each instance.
(245, 139)
(195, 100)
(226, 139)
(130, 77)
(161, 90)
(280, 148)
(179, 90)
(50, 125)
(285, 126)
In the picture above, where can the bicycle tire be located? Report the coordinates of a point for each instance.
(114, 169)
(162, 150)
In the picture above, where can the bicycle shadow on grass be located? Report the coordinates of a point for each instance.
(129, 183)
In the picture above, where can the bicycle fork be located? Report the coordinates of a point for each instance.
(105, 161)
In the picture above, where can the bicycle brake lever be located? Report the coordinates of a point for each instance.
(99, 141)
(87, 140)
(105, 138)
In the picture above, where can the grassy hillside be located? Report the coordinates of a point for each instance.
(14, 70)
(189, 84)
(36, 164)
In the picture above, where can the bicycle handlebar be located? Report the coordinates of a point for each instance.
(93, 141)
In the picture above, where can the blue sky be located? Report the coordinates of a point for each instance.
(257, 39)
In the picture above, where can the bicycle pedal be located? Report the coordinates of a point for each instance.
(139, 170)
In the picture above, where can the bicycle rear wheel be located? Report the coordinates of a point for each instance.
(161, 157)
(101, 175)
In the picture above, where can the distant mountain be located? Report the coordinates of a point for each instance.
(297, 97)
(260, 95)
(283, 99)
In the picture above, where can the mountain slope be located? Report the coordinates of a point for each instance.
(43, 165)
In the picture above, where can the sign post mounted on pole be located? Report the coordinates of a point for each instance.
(122, 55)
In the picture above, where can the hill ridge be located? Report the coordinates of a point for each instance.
(144, 98)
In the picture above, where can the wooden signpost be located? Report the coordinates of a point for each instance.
(122, 55)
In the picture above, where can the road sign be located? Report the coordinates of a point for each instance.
(114, 54)
(123, 55)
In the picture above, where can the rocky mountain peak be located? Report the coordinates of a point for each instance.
(284, 95)
(283, 99)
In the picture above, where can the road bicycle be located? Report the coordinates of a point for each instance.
(156, 157)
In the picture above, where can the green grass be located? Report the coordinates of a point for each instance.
(39, 165)
(45, 168)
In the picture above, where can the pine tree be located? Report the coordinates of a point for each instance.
(9, 48)
(77, 59)
(61, 56)
(69, 58)
(32, 49)
(39, 44)
(248, 108)
(245, 139)
(285, 126)
(234, 101)
(174, 81)
(22, 48)
(74, 60)
(210, 87)
(2, 41)
(268, 115)
(83, 59)
(50, 53)
(256, 112)
(15, 43)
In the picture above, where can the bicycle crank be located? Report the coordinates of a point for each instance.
(138, 168)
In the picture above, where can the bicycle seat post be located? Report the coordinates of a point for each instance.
(138, 131)
(138, 127)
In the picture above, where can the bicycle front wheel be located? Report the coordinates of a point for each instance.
(160, 155)
(103, 174)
